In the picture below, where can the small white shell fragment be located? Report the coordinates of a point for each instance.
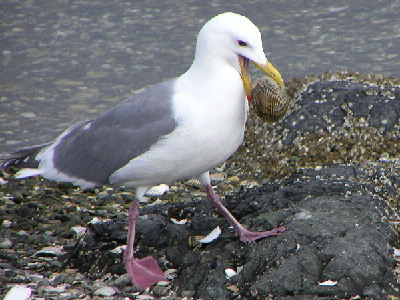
(119, 249)
(157, 190)
(105, 291)
(144, 297)
(211, 236)
(181, 222)
(328, 283)
(396, 253)
(170, 273)
(20, 292)
(163, 283)
(96, 220)
(50, 251)
(79, 231)
(230, 273)
(218, 176)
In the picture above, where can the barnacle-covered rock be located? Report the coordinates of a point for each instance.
(269, 100)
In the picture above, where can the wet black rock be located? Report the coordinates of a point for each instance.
(337, 230)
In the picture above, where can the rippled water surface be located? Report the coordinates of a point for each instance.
(66, 61)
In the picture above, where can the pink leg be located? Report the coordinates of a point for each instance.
(244, 234)
(145, 271)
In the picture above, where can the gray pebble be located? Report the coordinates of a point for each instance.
(122, 281)
(6, 244)
(188, 294)
(105, 291)
(160, 291)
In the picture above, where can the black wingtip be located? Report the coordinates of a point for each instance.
(23, 157)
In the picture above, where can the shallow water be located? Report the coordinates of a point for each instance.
(66, 61)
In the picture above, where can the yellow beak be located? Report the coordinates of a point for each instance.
(245, 75)
(270, 70)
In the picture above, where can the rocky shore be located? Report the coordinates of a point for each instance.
(329, 172)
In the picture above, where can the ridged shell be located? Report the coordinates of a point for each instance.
(157, 191)
(269, 100)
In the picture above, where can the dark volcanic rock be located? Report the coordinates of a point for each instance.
(337, 230)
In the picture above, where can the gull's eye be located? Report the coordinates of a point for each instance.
(242, 43)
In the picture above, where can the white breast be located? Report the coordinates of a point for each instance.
(211, 121)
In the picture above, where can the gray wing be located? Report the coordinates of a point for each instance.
(95, 149)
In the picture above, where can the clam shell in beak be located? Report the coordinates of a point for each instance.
(269, 100)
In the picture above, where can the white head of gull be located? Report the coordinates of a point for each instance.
(179, 129)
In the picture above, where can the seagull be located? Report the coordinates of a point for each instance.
(175, 130)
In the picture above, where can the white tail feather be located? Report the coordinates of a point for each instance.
(28, 172)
